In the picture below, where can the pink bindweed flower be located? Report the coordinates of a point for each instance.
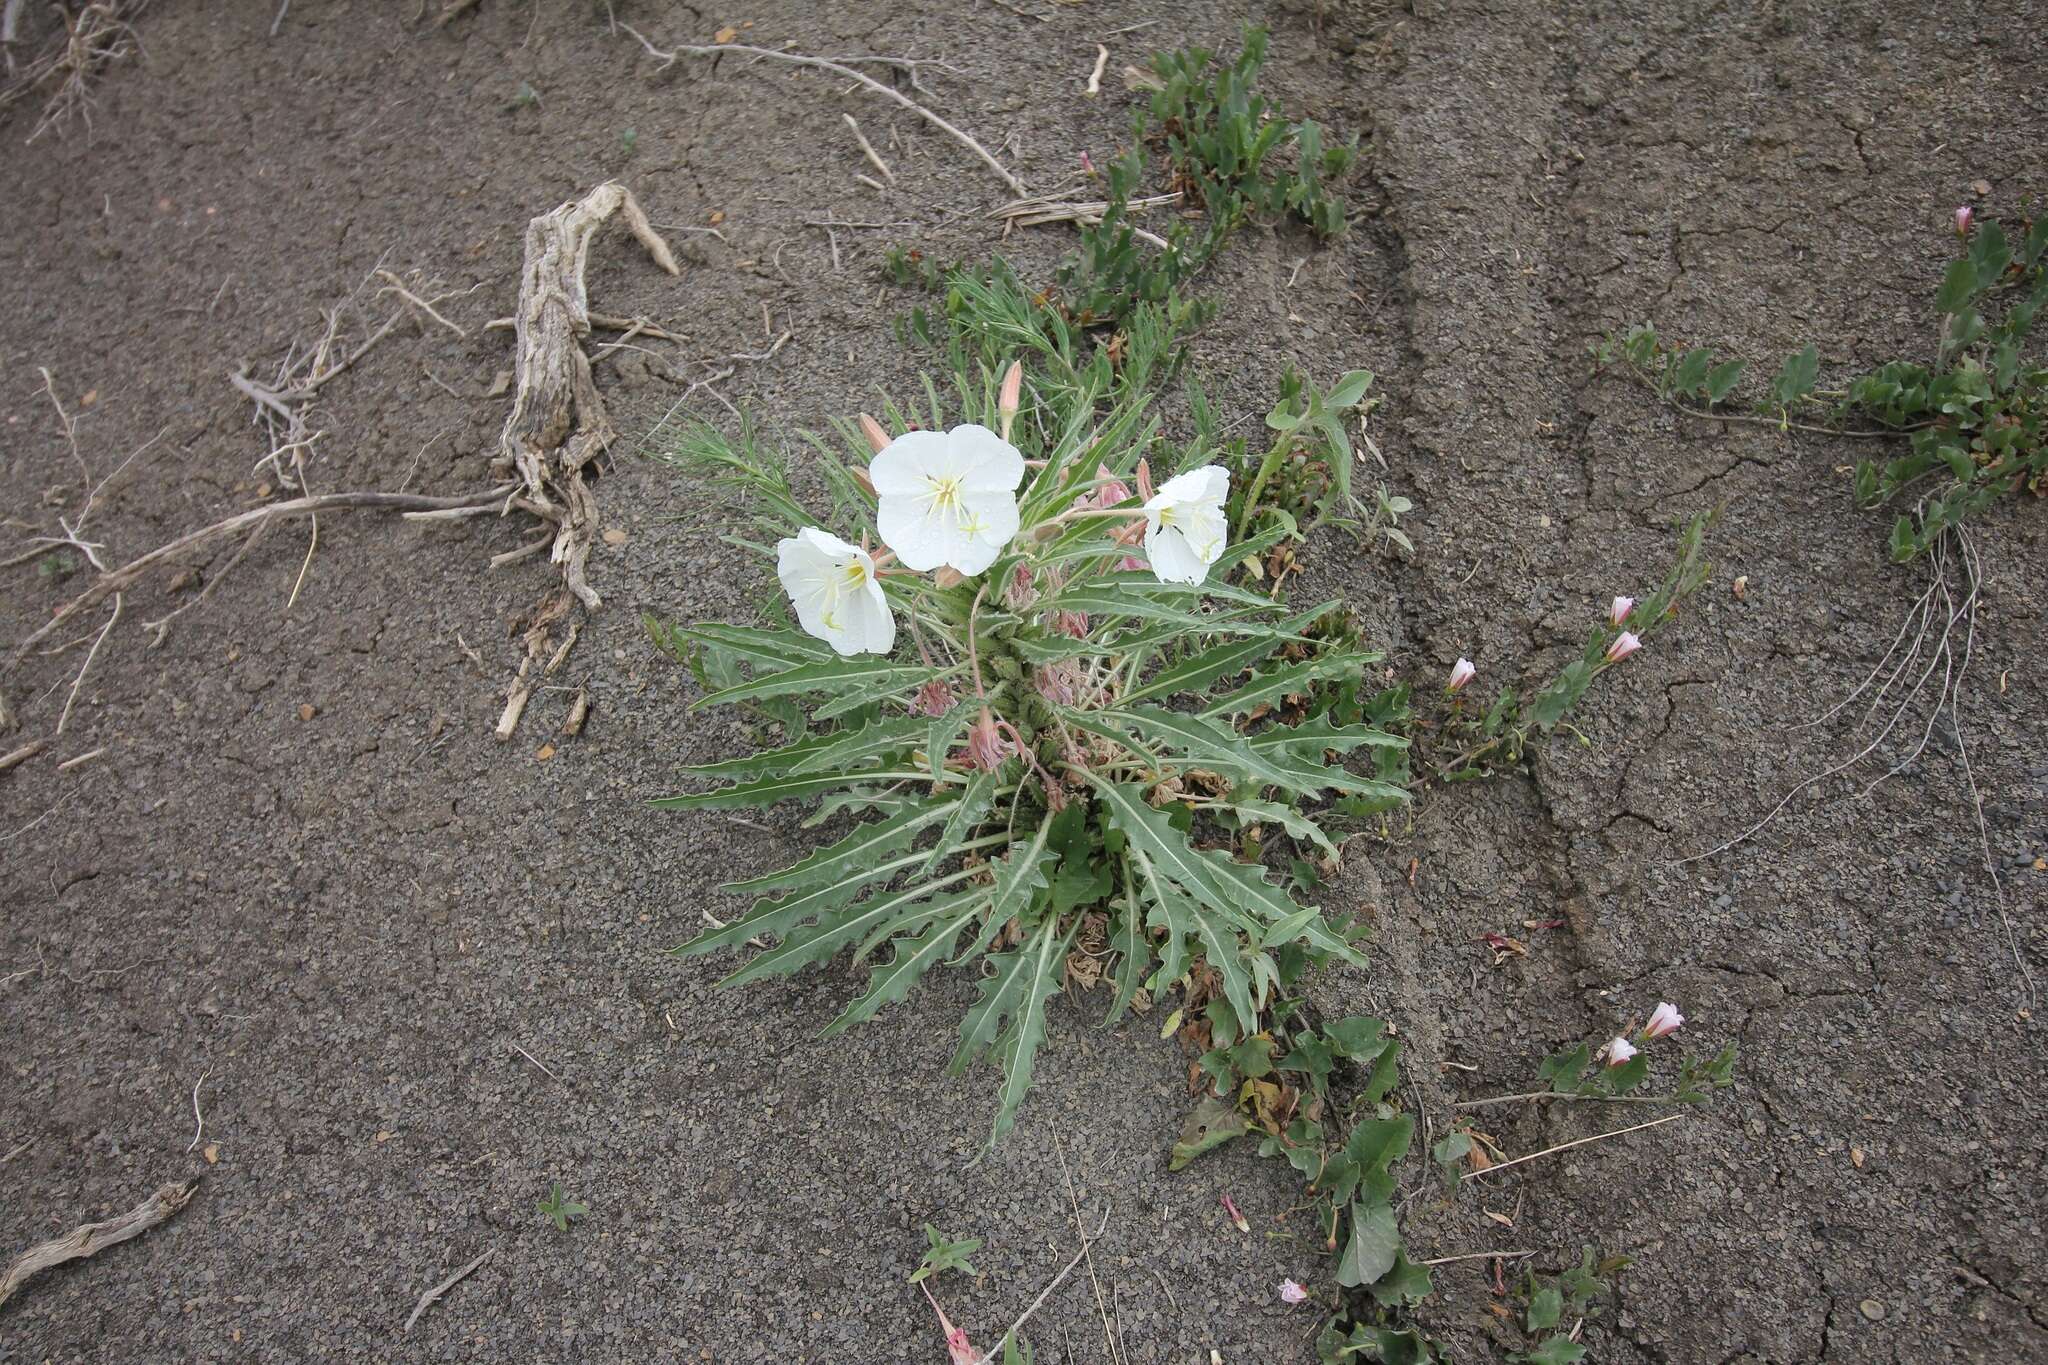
(1619, 610)
(935, 698)
(1964, 217)
(986, 747)
(1664, 1019)
(1290, 1292)
(1619, 1051)
(959, 1351)
(1462, 672)
(1624, 645)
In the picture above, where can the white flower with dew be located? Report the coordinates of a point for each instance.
(836, 594)
(947, 498)
(1185, 529)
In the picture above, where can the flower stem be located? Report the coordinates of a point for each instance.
(1266, 468)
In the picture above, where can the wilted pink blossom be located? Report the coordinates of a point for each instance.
(1619, 1051)
(1018, 593)
(1964, 217)
(1619, 610)
(935, 698)
(986, 747)
(958, 1349)
(1624, 645)
(1071, 623)
(1462, 672)
(1290, 1292)
(1058, 682)
(1664, 1019)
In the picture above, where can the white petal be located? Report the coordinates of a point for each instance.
(921, 538)
(985, 462)
(1173, 560)
(869, 621)
(902, 467)
(991, 521)
(1209, 483)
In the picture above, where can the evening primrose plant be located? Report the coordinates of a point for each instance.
(1019, 669)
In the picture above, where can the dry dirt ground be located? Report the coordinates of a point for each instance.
(363, 929)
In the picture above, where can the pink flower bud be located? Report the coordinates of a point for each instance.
(1624, 645)
(1619, 610)
(1013, 388)
(1230, 1207)
(1290, 1292)
(1087, 164)
(935, 698)
(1964, 217)
(878, 439)
(1461, 673)
(1664, 1019)
(1619, 1051)
(1145, 480)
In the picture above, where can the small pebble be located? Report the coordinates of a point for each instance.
(1872, 1309)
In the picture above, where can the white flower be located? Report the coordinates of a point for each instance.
(1290, 1292)
(1619, 1051)
(833, 586)
(1625, 644)
(1664, 1019)
(1185, 530)
(1618, 610)
(1462, 672)
(947, 498)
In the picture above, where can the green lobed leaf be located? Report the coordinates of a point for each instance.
(915, 955)
(889, 912)
(1011, 1014)
(1200, 671)
(1285, 679)
(1795, 380)
(859, 851)
(775, 649)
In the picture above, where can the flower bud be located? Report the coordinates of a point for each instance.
(1964, 216)
(1006, 403)
(1624, 645)
(1664, 1019)
(1230, 1207)
(1145, 480)
(1071, 623)
(949, 577)
(1619, 1051)
(878, 439)
(1618, 612)
(1461, 673)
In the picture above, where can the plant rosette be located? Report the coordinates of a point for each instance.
(1057, 759)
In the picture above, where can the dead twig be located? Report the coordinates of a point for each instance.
(16, 757)
(986, 1357)
(668, 58)
(198, 1119)
(868, 149)
(1081, 1230)
(429, 1298)
(64, 716)
(394, 285)
(256, 517)
(93, 1238)
(1578, 1142)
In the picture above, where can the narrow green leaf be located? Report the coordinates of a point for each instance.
(776, 649)
(857, 852)
(834, 676)
(915, 955)
(1199, 671)
(769, 790)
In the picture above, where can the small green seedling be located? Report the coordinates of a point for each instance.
(945, 1254)
(560, 1209)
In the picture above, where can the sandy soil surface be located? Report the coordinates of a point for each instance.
(416, 975)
